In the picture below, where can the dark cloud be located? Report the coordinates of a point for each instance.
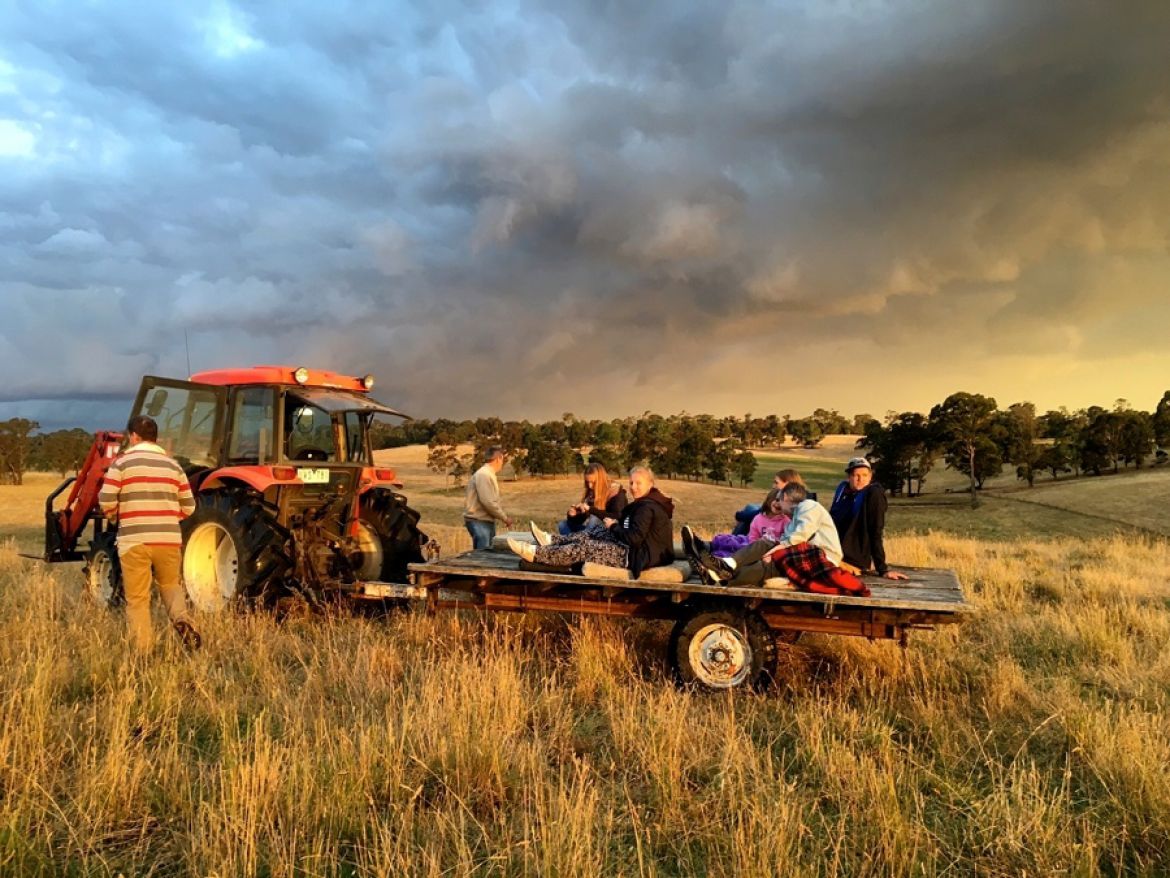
(534, 207)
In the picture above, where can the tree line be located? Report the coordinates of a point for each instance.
(680, 446)
(967, 431)
(975, 437)
(23, 449)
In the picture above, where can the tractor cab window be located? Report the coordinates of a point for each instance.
(186, 419)
(355, 437)
(308, 431)
(252, 425)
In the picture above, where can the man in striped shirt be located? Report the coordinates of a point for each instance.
(146, 494)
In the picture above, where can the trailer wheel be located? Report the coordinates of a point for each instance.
(234, 551)
(722, 649)
(388, 538)
(103, 572)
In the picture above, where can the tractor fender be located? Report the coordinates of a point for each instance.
(259, 478)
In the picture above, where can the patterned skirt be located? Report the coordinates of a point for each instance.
(594, 544)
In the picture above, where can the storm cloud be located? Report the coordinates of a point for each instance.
(529, 208)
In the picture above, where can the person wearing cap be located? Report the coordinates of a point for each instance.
(859, 512)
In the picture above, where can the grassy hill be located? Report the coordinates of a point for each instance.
(1035, 739)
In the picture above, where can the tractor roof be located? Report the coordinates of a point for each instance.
(280, 375)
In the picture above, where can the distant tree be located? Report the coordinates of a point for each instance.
(609, 456)
(14, 449)
(1161, 421)
(63, 451)
(462, 467)
(806, 431)
(1109, 434)
(694, 450)
(1100, 440)
(900, 451)
(1054, 459)
(441, 459)
(987, 460)
(859, 423)
(1014, 431)
(1065, 428)
(831, 421)
(745, 467)
(961, 423)
(1135, 440)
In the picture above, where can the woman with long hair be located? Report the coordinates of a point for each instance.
(600, 499)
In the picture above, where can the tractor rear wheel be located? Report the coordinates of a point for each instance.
(234, 551)
(388, 538)
(103, 572)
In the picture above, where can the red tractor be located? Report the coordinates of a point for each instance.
(289, 499)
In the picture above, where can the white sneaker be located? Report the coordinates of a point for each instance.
(524, 550)
(542, 537)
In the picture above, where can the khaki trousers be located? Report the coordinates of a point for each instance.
(141, 564)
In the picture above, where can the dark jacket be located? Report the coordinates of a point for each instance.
(645, 527)
(860, 517)
(613, 508)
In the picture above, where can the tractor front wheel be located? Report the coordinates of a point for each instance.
(103, 572)
(234, 551)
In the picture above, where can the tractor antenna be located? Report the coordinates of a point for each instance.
(187, 345)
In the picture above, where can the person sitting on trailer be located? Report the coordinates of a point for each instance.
(745, 516)
(859, 512)
(768, 523)
(807, 554)
(641, 538)
(601, 499)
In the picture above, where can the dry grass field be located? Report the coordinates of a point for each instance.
(1034, 740)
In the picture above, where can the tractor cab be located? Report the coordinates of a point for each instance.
(205, 425)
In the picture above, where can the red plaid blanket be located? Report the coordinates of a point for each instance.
(806, 567)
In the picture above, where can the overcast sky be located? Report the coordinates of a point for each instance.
(530, 208)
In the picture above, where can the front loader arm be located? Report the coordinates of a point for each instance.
(63, 527)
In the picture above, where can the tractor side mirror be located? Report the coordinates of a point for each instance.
(158, 402)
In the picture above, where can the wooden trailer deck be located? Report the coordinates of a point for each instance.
(494, 580)
(723, 637)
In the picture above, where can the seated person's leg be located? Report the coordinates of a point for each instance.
(750, 575)
(753, 552)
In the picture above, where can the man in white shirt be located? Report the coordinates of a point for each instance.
(481, 508)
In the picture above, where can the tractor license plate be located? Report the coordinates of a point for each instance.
(313, 476)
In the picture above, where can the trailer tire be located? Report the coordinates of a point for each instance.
(721, 649)
(103, 572)
(234, 551)
(390, 538)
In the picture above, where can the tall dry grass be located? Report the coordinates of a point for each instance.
(1034, 740)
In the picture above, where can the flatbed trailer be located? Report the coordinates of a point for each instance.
(722, 637)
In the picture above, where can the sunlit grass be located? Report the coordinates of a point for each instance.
(1034, 739)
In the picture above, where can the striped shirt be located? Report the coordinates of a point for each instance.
(147, 494)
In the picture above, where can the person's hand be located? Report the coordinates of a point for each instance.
(894, 574)
(609, 522)
(507, 522)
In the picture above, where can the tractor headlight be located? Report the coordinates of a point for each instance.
(301, 375)
(368, 382)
